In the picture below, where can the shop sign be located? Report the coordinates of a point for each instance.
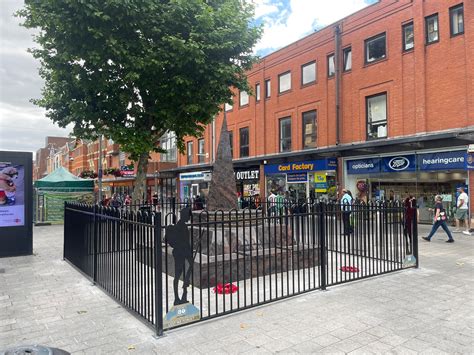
(297, 177)
(247, 175)
(197, 175)
(302, 166)
(399, 163)
(127, 170)
(320, 184)
(442, 161)
(369, 165)
(470, 161)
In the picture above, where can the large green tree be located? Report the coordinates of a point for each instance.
(135, 69)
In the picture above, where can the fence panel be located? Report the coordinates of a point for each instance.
(223, 262)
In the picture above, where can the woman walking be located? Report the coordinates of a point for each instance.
(439, 220)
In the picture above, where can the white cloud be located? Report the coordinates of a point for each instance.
(301, 19)
(264, 7)
(23, 126)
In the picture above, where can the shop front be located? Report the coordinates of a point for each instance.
(248, 183)
(194, 183)
(419, 174)
(302, 180)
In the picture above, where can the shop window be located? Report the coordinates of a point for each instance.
(244, 98)
(121, 158)
(201, 154)
(376, 108)
(268, 88)
(375, 48)
(456, 20)
(189, 152)
(284, 82)
(231, 139)
(285, 134)
(347, 57)
(309, 129)
(331, 66)
(257, 92)
(408, 36)
(308, 73)
(432, 31)
(244, 142)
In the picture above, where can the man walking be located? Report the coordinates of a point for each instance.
(462, 211)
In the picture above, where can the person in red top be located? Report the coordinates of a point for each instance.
(439, 220)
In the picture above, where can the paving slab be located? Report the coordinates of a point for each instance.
(429, 310)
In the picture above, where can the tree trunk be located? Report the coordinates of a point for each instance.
(139, 191)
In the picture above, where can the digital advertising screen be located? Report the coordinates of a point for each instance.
(12, 195)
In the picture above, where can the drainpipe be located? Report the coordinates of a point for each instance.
(337, 66)
(213, 157)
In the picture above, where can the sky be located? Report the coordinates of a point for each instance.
(24, 126)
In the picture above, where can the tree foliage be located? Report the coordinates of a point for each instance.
(134, 69)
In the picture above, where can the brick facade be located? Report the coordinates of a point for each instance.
(427, 87)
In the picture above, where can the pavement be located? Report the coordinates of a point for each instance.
(430, 310)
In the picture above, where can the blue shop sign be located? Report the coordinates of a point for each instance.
(442, 161)
(470, 161)
(297, 177)
(302, 166)
(364, 166)
(399, 163)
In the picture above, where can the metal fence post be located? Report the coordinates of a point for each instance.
(65, 231)
(415, 237)
(158, 276)
(322, 244)
(94, 248)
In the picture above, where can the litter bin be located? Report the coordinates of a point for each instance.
(33, 350)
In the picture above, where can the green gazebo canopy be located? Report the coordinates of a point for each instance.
(62, 180)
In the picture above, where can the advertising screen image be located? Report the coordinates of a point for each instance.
(12, 195)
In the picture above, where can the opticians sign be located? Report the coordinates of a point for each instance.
(363, 166)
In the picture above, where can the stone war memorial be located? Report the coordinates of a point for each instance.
(182, 267)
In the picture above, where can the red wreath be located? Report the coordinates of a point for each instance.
(225, 289)
(349, 269)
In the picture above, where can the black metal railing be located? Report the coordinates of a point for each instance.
(222, 262)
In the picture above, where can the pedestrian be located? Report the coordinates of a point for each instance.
(439, 220)
(462, 211)
(346, 207)
(409, 217)
(271, 200)
(257, 201)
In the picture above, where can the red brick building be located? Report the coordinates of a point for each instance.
(387, 92)
(52, 146)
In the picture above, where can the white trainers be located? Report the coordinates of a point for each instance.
(457, 231)
(466, 232)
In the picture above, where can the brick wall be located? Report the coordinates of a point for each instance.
(428, 88)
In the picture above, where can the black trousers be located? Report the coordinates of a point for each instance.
(346, 220)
